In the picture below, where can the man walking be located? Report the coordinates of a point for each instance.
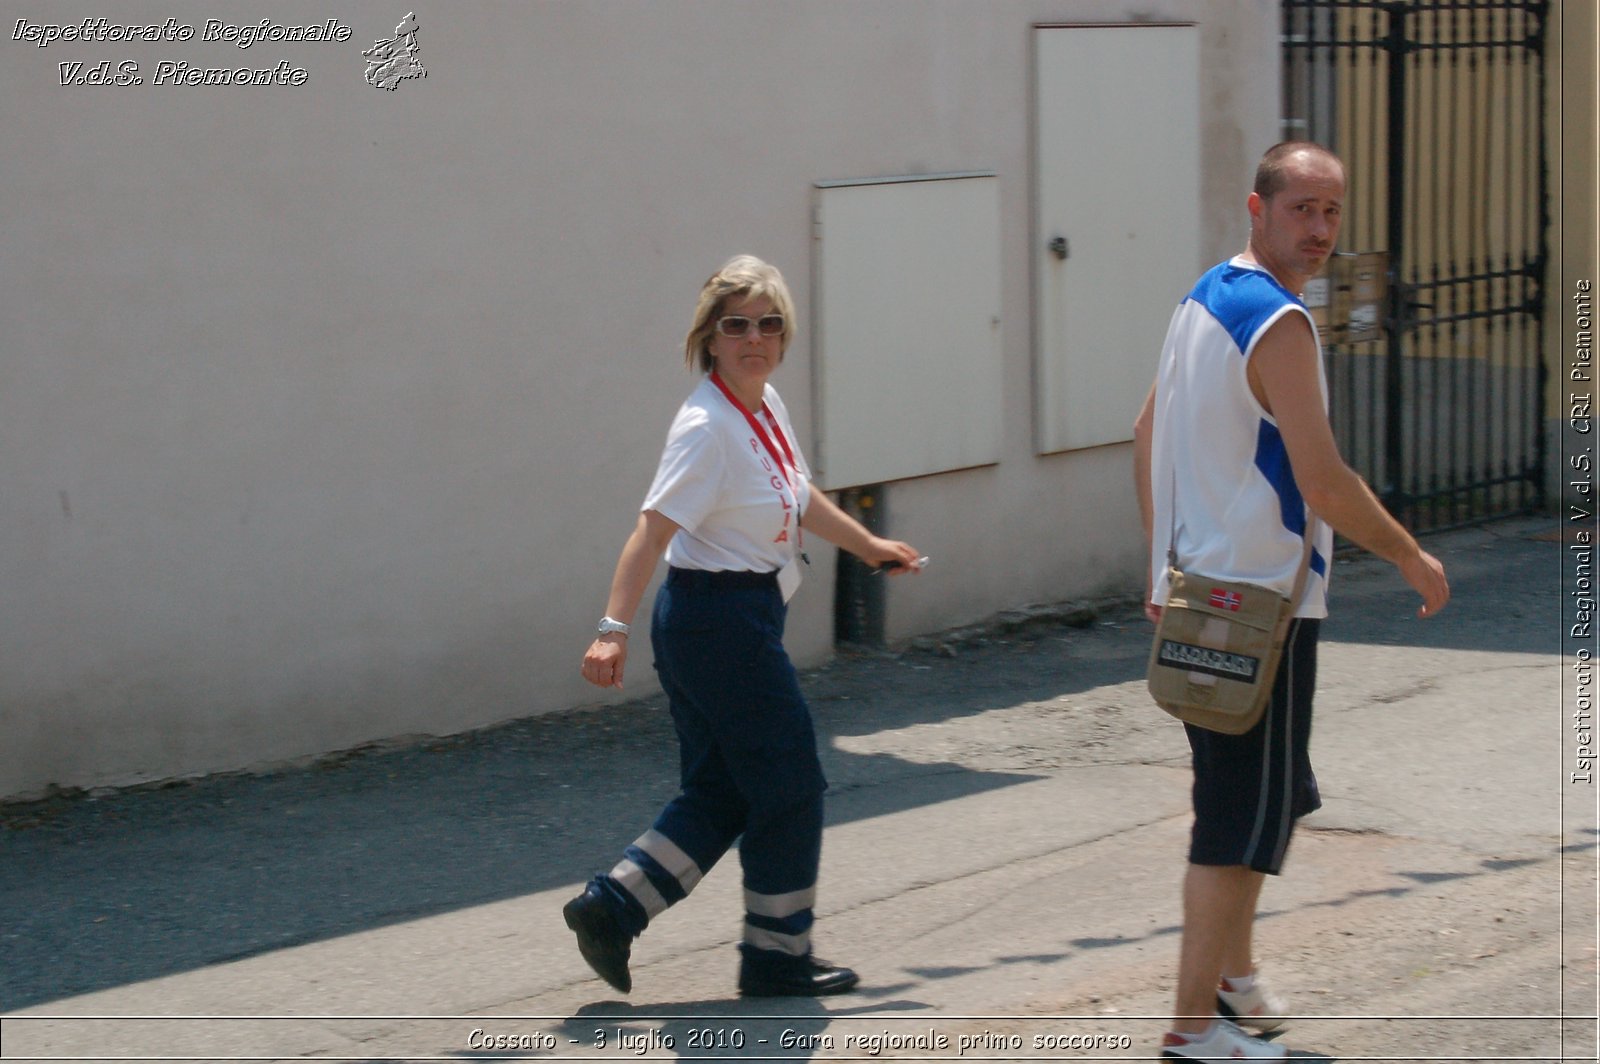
(1233, 455)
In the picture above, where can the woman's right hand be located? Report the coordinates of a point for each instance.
(602, 665)
(603, 662)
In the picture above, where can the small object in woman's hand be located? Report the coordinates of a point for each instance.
(890, 565)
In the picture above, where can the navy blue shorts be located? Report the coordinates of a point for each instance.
(1250, 789)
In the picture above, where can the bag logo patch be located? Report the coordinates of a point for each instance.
(1226, 600)
(1191, 658)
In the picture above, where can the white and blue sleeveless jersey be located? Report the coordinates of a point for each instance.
(1218, 453)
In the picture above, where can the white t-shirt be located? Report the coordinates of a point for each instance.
(1240, 512)
(737, 509)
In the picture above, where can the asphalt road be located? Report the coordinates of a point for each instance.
(1007, 823)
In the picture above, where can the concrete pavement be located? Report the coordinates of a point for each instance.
(1007, 824)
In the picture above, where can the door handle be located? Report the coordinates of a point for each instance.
(1058, 247)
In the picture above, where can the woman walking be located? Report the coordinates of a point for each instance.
(727, 507)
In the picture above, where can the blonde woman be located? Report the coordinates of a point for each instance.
(729, 508)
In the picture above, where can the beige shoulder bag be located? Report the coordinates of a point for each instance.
(1218, 642)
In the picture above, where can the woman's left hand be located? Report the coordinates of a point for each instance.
(902, 556)
(824, 517)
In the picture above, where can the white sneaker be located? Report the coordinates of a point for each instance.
(1223, 1043)
(1256, 1007)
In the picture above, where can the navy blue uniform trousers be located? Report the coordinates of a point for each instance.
(747, 757)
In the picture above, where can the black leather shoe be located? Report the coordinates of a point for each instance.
(799, 977)
(601, 940)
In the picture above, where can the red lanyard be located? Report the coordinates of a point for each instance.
(761, 433)
(766, 441)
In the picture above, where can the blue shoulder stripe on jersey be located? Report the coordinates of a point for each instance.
(1241, 299)
(1272, 458)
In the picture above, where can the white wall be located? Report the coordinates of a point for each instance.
(324, 410)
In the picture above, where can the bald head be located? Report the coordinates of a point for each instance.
(1282, 160)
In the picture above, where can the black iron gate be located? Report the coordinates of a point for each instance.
(1438, 110)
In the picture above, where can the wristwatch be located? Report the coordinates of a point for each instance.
(607, 626)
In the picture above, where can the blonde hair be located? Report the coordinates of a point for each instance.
(740, 278)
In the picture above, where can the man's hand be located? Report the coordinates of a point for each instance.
(1425, 574)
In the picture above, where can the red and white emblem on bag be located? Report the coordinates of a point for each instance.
(1226, 600)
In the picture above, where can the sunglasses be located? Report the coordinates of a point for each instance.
(737, 325)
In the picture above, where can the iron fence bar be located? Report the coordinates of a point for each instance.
(1528, 271)
(1460, 261)
(1489, 314)
(1479, 485)
(1418, 5)
(1423, 46)
(1444, 437)
(1477, 446)
(1462, 504)
(1395, 327)
(1490, 42)
(1447, 301)
(1541, 11)
(1511, 366)
(1516, 443)
(1483, 79)
(1380, 397)
(1412, 474)
(1375, 133)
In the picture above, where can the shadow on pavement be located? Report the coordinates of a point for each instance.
(100, 891)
